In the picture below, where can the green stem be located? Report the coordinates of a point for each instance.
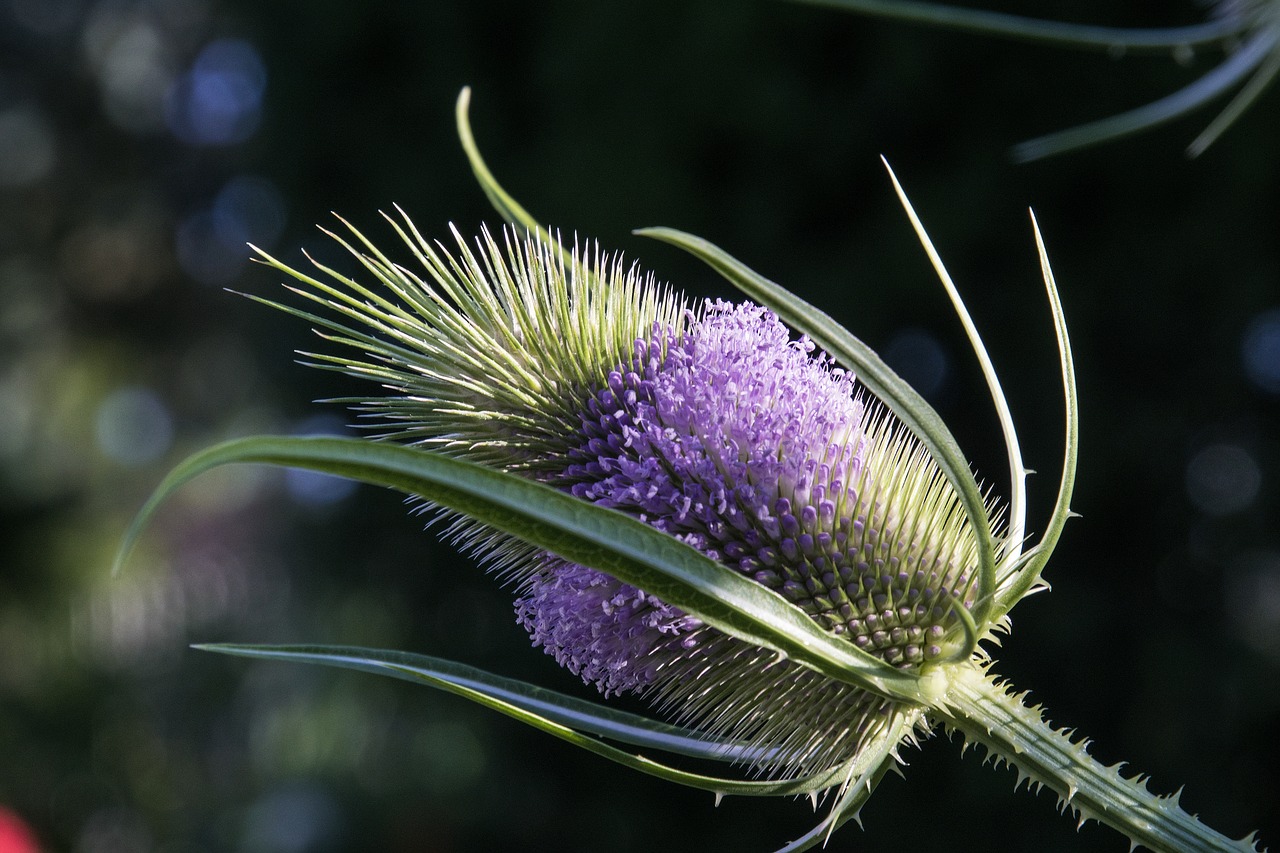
(986, 712)
(1158, 39)
(1221, 79)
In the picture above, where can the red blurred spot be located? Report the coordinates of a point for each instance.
(15, 835)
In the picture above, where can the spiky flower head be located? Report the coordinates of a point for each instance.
(696, 507)
(710, 423)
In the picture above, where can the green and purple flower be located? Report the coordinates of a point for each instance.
(713, 425)
(764, 533)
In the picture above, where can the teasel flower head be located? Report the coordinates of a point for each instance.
(763, 532)
(710, 422)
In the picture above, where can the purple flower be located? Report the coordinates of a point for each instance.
(734, 439)
(715, 427)
(718, 430)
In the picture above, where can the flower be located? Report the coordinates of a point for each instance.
(696, 507)
(712, 425)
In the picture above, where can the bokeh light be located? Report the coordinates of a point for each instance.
(311, 488)
(15, 835)
(1261, 351)
(212, 243)
(293, 819)
(27, 147)
(203, 253)
(115, 830)
(128, 51)
(918, 358)
(218, 101)
(1223, 479)
(133, 426)
(249, 209)
(1253, 600)
(118, 253)
(46, 17)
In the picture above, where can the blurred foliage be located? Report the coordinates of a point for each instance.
(142, 142)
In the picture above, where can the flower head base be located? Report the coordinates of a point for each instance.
(713, 426)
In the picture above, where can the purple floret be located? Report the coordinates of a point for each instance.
(597, 627)
(734, 438)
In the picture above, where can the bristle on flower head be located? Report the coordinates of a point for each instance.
(713, 426)
(486, 355)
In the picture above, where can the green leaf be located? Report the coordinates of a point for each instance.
(590, 717)
(561, 716)
(593, 536)
(501, 200)
(1017, 470)
(871, 371)
(1013, 589)
(1231, 72)
(1252, 90)
(983, 22)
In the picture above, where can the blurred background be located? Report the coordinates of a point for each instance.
(144, 142)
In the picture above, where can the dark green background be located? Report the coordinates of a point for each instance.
(757, 125)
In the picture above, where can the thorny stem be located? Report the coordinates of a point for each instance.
(988, 713)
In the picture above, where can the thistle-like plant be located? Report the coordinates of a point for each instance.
(1247, 30)
(774, 540)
